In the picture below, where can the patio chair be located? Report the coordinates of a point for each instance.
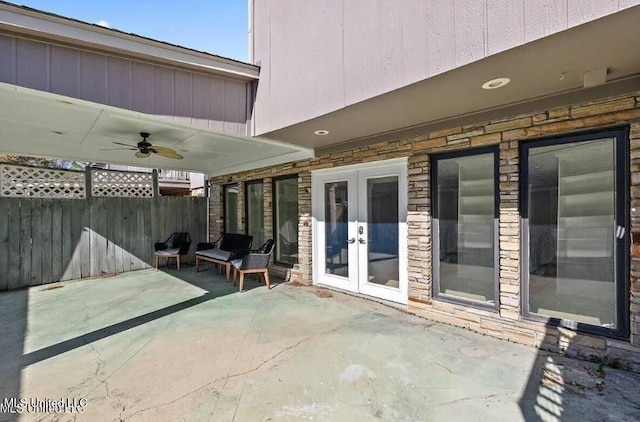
(256, 262)
(175, 246)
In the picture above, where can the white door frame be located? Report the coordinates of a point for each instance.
(356, 176)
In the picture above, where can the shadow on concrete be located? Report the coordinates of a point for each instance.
(542, 398)
(563, 387)
(13, 329)
(14, 314)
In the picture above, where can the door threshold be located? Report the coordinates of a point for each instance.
(389, 303)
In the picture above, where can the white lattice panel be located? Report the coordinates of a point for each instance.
(30, 182)
(121, 184)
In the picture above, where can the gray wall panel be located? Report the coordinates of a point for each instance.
(8, 62)
(469, 37)
(201, 100)
(65, 71)
(414, 40)
(31, 64)
(163, 91)
(119, 83)
(177, 94)
(93, 77)
(183, 110)
(505, 25)
(216, 104)
(142, 87)
(580, 11)
(544, 17)
(440, 36)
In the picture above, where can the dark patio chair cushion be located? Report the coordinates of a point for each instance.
(217, 254)
(229, 246)
(168, 252)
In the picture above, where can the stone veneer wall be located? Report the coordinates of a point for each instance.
(507, 133)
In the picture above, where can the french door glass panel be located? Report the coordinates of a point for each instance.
(466, 227)
(336, 212)
(383, 231)
(572, 205)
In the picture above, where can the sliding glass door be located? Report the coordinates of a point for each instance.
(575, 224)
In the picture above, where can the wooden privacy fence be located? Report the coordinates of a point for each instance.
(45, 240)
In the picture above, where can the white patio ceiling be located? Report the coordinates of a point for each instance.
(42, 124)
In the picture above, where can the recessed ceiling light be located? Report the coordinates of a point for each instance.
(496, 83)
(321, 132)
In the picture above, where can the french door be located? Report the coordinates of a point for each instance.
(360, 230)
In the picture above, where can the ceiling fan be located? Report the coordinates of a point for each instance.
(144, 148)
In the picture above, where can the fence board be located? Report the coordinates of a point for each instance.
(84, 243)
(132, 221)
(46, 240)
(4, 244)
(139, 239)
(116, 240)
(46, 248)
(36, 242)
(25, 242)
(13, 246)
(56, 240)
(147, 240)
(75, 266)
(68, 243)
(110, 256)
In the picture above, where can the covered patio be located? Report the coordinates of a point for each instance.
(171, 345)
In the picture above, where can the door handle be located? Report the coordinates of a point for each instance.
(352, 240)
(362, 241)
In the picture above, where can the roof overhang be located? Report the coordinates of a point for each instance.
(42, 124)
(552, 71)
(21, 20)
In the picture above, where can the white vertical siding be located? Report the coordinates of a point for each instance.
(323, 55)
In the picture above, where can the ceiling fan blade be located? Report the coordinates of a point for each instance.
(166, 152)
(126, 145)
(169, 153)
(118, 149)
(159, 149)
(140, 154)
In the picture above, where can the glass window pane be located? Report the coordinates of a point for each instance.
(466, 213)
(231, 208)
(255, 213)
(571, 192)
(286, 220)
(382, 229)
(336, 215)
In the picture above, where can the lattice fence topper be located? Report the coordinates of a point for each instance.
(33, 182)
(121, 184)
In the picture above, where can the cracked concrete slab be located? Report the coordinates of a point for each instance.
(150, 346)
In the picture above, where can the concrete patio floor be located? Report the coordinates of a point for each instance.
(155, 346)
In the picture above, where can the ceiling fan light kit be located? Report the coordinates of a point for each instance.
(144, 149)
